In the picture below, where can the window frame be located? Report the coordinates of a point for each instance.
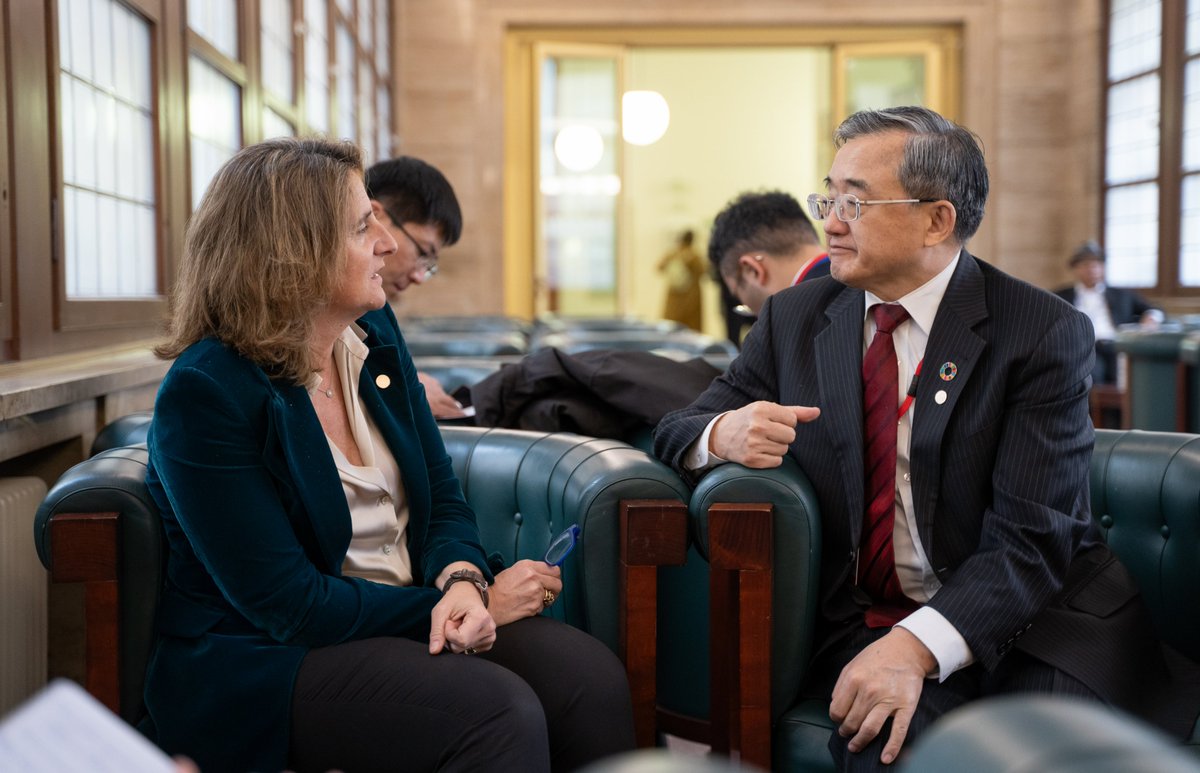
(1171, 71)
(93, 314)
(36, 317)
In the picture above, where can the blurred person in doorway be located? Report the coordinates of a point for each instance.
(683, 267)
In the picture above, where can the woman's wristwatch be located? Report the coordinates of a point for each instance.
(471, 576)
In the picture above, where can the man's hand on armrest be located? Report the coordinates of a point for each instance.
(758, 435)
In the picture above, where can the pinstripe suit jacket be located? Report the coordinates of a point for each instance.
(999, 469)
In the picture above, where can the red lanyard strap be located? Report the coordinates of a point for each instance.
(912, 392)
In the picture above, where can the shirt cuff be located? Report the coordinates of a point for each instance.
(697, 456)
(943, 640)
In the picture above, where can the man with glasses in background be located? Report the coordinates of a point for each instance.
(761, 243)
(939, 407)
(417, 204)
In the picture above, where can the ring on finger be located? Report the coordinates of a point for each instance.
(470, 651)
(548, 597)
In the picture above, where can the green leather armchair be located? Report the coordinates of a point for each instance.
(99, 526)
(1145, 491)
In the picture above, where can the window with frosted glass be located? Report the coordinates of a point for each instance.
(383, 123)
(1193, 27)
(275, 125)
(366, 111)
(214, 122)
(382, 36)
(1131, 235)
(1189, 238)
(277, 48)
(1191, 116)
(346, 95)
(1135, 37)
(316, 65)
(107, 138)
(216, 21)
(1131, 151)
(366, 21)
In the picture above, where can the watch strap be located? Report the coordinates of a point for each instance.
(471, 576)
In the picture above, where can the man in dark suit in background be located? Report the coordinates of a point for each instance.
(959, 558)
(1107, 307)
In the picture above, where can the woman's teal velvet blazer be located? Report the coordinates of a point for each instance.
(257, 527)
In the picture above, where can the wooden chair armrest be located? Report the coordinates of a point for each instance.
(85, 547)
(740, 557)
(653, 534)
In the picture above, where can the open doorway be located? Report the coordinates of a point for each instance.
(748, 110)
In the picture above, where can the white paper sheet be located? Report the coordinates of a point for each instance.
(62, 728)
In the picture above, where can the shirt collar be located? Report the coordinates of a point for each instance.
(922, 303)
(351, 340)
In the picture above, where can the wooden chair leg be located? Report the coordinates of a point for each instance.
(740, 556)
(653, 534)
(85, 547)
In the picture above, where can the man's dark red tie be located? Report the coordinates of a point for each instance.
(877, 560)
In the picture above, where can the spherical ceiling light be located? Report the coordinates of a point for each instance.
(578, 148)
(644, 117)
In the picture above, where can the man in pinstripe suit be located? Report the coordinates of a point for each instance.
(994, 546)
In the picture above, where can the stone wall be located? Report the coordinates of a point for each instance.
(1031, 90)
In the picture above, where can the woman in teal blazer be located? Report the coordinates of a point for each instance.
(268, 654)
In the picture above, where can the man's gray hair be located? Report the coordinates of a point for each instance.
(942, 160)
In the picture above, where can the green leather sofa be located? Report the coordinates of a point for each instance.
(1015, 733)
(1145, 490)
(494, 343)
(99, 526)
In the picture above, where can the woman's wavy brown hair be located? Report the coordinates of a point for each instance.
(263, 253)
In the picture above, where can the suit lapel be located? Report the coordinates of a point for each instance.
(384, 393)
(308, 462)
(840, 381)
(309, 465)
(953, 346)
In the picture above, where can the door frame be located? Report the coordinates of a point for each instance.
(520, 105)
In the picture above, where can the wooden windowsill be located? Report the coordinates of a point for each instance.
(49, 382)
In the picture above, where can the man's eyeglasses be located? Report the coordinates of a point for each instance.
(848, 207)
(427, 258)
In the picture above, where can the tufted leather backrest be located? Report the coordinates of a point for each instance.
(129, 430)
(526, 487)
(1146, 498)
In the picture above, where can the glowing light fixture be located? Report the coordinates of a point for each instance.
(645, 116)
(578, 148)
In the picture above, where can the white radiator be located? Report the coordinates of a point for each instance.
(23, 583)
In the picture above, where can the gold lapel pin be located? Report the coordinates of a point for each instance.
(383, 381)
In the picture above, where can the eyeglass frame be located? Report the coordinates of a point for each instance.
(814, 208)
(428, 258)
